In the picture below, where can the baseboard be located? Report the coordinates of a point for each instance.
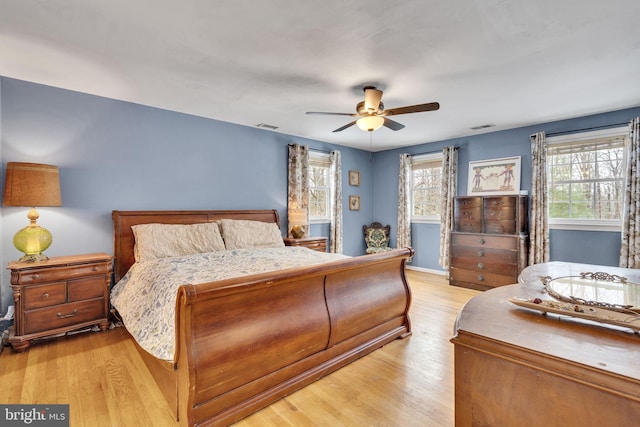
(429, 270)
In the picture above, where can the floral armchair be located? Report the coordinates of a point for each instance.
(376, 237)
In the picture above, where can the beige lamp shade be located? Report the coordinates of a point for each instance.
(32, 185)
(298, 220)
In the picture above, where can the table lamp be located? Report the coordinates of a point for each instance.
(31, 185)
(297, 222)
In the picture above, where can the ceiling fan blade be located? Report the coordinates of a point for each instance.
(432, 106)
(348, 125)
(392, 125)
(372, 97)
(332, 114)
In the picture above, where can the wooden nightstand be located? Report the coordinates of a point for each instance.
(316, 243)
(59, 295)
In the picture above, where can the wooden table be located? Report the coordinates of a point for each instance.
(515, 366)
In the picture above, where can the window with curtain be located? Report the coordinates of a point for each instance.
(586, 180)
(319, 187)
(426, 185)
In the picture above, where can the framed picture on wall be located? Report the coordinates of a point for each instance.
(354, 178)
(495, 176)
(354, 203)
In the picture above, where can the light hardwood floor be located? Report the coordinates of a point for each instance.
(406, 383)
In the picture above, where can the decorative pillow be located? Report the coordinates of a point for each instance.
(241, 234)
(168, 240)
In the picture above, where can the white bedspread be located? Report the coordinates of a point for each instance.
(146, 296)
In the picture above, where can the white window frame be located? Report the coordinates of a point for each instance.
(587, 224)
(431, 157)
(318, 159)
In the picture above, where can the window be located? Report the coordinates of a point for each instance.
(319, 187)
(426, 187)
(586, 179)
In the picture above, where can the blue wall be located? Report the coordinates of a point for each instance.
(592, 247)
(118, 155)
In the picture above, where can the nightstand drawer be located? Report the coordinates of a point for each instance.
(51, 274)
(86, 288)
(51, 318)
(45, 295)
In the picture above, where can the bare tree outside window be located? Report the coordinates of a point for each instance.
(427, 187)
(586, 179)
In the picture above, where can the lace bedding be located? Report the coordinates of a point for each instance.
(146, 296)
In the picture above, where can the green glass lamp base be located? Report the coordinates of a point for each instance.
(32, 241)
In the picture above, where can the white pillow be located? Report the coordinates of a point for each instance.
(168, 240)
(241, 234)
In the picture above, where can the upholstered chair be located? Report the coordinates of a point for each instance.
(377, 237)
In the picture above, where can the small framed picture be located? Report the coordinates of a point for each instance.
(354, 178)
(354, 203)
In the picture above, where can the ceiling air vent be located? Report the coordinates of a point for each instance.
(264, 125)
(490, 125)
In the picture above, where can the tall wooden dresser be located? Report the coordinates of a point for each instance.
(489, 242)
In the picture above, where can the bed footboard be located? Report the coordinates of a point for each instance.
(245, 343)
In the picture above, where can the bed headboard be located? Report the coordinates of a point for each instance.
(123, 240)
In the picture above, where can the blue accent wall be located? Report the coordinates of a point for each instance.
(124, 156)
(119, 155)
(591, 247)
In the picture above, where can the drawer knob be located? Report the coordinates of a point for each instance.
(64, 316)
(480, 253)
(480, 265)
(482, 241)
(35, 276)
(480, 278)
(45, 295)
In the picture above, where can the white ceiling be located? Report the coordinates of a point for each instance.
(509, 63)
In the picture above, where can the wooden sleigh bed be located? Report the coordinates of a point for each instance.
(244, 343)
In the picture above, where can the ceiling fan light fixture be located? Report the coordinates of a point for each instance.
(370, 123)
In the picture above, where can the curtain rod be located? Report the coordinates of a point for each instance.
(432, 152)
(567, 132)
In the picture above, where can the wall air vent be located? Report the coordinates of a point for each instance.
(264, 125)
(490, 125)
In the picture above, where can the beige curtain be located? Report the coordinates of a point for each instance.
(336, 202)
(630, 245)
(403, 238)
(298, 185)
(539, 221)
(449, 190)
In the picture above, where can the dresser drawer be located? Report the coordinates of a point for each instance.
(59, 316)
(86, 288)
(494, 261)
(52, 274)
(484, 280)
(44, 295)
(482, 240)
(500, 226)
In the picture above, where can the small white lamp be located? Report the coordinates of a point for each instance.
(298, 222)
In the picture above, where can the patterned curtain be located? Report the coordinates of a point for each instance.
(298, 186)
(449, 190)
(336, 202)
(403, 239)
(630, 247)
(539, 221)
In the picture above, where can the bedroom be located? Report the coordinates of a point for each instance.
(120, 155)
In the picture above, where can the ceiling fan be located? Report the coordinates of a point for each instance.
(372, 114)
